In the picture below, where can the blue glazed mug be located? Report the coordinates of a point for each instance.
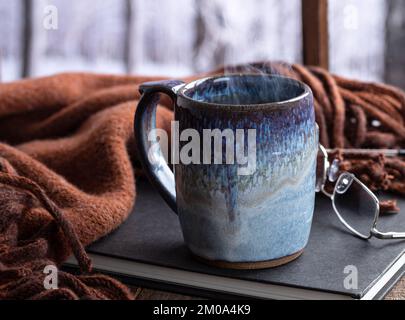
(249, 214)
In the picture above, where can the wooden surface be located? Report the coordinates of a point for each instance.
(180, 37)
(398, 292)
(148, 294)
(315, 32)
(357, 34)
(395, 43)
(170, 37)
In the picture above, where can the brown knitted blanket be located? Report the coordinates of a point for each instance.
(65, 178)
(67, 172)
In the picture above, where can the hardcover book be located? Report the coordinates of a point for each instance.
(148, 250)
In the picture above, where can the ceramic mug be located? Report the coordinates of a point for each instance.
(230, 218)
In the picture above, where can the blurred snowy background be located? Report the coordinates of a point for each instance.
(181, 37)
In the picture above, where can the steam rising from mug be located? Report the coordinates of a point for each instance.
(245, 89)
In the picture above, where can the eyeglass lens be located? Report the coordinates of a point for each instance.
(354, 204)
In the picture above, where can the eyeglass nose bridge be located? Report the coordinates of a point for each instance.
(333, 170)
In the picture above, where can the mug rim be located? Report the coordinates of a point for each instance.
(182, 89)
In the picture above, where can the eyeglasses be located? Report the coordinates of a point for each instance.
(356, 206)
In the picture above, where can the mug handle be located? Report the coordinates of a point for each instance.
(157, 171)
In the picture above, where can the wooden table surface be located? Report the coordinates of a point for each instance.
(148, 294)
(397, 293)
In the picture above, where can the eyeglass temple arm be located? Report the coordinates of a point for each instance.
(387, 235)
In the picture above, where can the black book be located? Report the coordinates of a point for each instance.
(148, 250)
